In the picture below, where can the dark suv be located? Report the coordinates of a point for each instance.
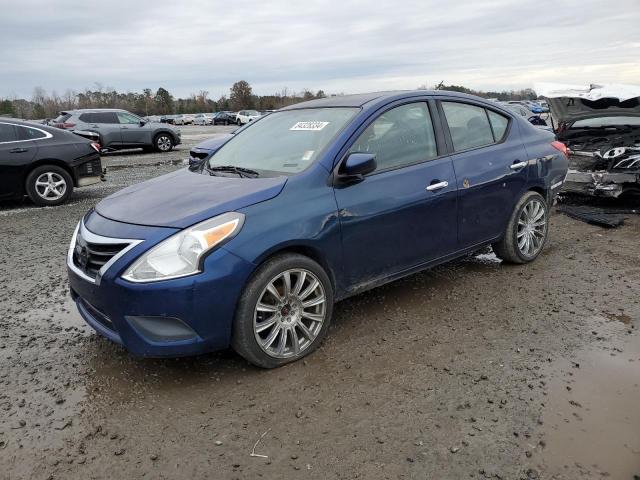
(119, 129)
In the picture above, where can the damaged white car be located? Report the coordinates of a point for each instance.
(601, 126)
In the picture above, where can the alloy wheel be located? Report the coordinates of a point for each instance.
(289, 313)
(532, 228)
(51, 186)
(164, 143)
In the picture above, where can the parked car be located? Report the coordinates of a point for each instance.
(183, 119)
(601, 126)
(533, 118)
(246, 116)
(167, 119)
(203, 119)
(224, 118)
(119, 129)
(311, 204)
(204, 150)
(44, 163)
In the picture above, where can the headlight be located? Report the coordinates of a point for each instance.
(181, 254)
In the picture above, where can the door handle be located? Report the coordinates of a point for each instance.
(437, 186)
(518, 165)
(18, 150)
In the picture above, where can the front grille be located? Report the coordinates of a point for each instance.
(90, 257)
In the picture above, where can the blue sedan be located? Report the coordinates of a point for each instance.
(310, 205)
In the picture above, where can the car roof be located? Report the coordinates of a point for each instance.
(85, 110)
(367, 99)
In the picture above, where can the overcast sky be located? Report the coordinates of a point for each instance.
(338, 46)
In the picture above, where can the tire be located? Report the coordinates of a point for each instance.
(163, 142)
(49, 185)
(279, 319)
(529, 222)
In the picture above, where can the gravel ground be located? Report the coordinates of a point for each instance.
(471, 370)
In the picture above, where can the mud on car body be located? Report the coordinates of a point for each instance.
(600, 124)
(307, 206)
(44, 163)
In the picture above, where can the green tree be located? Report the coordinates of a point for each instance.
(164, 101)
(6, 108)
(241, 95)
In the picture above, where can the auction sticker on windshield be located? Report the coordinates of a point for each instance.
(309, 126)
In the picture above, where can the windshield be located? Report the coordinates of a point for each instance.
(607, 122)
(284, 142)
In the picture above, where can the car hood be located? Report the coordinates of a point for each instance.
(569, 103)
(214, 144)
(183, 198)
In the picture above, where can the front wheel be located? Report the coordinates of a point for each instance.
(284, 312)
(49, 185)
(527, 231)
(163, 142)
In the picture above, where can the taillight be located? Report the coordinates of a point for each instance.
(95, 146)
(64, 125)
(561, 147)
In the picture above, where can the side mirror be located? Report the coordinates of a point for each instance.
(143, 123)
(354, 167)
(195, 163)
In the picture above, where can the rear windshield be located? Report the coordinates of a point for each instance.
(63, 117)
(284, 142)
(607, 122)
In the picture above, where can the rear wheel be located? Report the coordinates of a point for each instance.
(527, 231)
(163, 142)
(49, 185)
(284, 311)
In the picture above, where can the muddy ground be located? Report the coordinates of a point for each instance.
(472, 370)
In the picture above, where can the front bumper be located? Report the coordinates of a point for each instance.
(603, 183)
(171, 318)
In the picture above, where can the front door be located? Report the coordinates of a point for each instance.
(133, 132)
(404, 213)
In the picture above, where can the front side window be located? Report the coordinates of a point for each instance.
(7, 133)
(127, 118)
(283, 143)
(468, 125)
(401, 136)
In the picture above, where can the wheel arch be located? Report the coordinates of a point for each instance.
(306, 250)
(48, 161)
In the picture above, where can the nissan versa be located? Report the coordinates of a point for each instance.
(312, 204)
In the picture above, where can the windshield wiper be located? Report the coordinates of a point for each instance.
(242, 172)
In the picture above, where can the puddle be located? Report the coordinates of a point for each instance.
(592, 413)
(620, 317)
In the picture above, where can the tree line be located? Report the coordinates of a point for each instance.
(43, 105)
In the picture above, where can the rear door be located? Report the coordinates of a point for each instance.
(16, 153)
(108, 126)
(404, 213)
(490, 164)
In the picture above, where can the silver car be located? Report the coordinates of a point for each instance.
(119, 129)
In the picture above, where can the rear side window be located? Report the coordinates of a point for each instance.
(28, 133)
(7, 133)
(468, 125)
(401, 136)
(87, 118)
(105, 117)
(499, 124)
